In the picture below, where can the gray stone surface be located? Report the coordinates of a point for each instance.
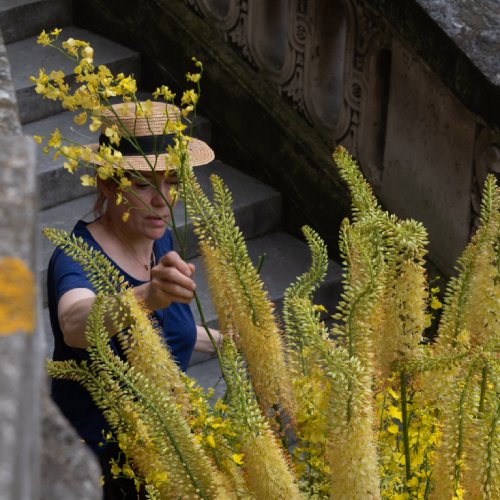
(23, 18)
(428, 157)
(474, 25)
(21, 350)
(27, 57)
(68, 476)
(9, 118)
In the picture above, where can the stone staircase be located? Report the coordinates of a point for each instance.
(62, 200)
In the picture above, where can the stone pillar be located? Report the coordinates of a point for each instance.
(40, 455)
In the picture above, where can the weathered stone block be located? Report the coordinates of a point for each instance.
(428, 157)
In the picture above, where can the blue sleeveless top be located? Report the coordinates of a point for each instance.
(175, 321)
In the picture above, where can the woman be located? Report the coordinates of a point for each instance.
(141, 248)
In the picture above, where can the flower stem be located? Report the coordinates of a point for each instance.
(404, 413)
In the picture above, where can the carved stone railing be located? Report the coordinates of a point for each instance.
(344, 68)
(288, 80)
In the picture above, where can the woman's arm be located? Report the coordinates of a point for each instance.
(170, 282)
(203, 343)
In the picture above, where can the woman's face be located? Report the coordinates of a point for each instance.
(147, 202)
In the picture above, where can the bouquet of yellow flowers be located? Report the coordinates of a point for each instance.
(366, 408)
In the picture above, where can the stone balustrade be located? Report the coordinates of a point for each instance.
(420, 126)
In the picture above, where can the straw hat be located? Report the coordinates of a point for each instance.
(152, 134)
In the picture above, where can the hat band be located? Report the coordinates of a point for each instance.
(145, 144)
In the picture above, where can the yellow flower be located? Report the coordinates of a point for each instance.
(193, 77)
(43, 39)
(319, 308)
(164, 91)
(127, 471)
(125, 183)
(115, 468)
(55, 32)
(87, 180)
(211, 441)
(395, 413)
(105, 171)
(95, 124)
(238, 458)
(436, 303)
(128, 85)
(88, 52)
(55, 139)
(125, 216)
(112, 133)
(70, 165)
(189, 97)
(81, 119)
(37, 139)
(197, 63)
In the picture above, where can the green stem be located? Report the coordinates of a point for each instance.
(404, 411)
(490, 453)
(483, 389)
(210, 336)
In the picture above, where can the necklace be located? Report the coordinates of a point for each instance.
(152, 261)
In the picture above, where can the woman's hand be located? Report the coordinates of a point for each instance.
(171, 281)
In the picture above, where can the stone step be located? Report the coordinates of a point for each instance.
(55, 184)
(26, 57)
(285, 259)
(24, 18)
(257, 208)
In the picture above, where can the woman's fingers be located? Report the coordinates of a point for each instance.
(171, 279)
(173, 259)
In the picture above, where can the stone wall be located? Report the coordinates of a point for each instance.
(287, 81)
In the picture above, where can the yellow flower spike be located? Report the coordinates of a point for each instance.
(43, 39)
(81, 119)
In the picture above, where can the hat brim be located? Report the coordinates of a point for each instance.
(200, 153)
